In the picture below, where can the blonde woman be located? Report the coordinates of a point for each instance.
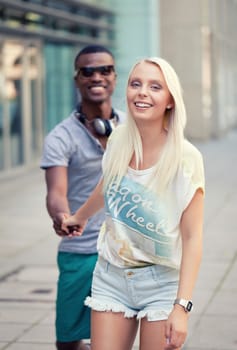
(150, 245)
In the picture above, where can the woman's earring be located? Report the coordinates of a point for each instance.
(169, 107)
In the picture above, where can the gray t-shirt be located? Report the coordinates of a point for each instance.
(70, 144)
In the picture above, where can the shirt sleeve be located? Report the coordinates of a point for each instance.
(193, 173)
(56, 150)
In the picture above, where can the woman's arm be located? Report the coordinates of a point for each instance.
(191, 231)
(93, 204)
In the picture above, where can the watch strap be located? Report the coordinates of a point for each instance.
(186, 304)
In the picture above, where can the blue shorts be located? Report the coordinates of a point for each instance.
(74, 285)
(142, 292)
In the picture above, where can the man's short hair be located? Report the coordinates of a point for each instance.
(91, 49)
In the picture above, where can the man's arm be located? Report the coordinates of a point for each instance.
(56, 200)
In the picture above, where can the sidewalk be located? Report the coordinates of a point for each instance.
(28, 270)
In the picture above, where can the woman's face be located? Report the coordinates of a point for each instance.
(147, 93)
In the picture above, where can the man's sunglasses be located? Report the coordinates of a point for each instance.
(88, 72)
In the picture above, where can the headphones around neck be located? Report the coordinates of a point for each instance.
(102, 127)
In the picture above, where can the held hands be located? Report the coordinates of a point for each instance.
(176, 328)
(73, 225)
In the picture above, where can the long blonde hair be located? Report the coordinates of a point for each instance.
(126, 138)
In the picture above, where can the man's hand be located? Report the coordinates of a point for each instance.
(57, 222)
(57, 225)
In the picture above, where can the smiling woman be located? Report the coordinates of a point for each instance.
(148, 100)
(150, 245)
(146, 92)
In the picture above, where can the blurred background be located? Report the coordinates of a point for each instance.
(40, 38)
(38, 42)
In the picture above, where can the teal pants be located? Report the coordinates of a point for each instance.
(74, 285)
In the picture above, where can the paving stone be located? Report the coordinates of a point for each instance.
(39, 334)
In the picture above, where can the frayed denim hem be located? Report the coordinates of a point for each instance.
(153, 315)
(101, 305)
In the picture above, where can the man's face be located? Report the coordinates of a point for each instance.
(96, 84)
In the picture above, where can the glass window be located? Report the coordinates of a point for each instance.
(11, 101)
(59, 83)
(35, 97)
(1, 130)
(20, 103)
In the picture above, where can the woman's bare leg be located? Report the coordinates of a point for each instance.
(152, 335)
(112, 331)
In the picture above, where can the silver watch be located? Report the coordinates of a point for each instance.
(186, 304)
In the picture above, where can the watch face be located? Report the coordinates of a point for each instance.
(189, 306)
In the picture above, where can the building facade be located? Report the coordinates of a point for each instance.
(38, 42)
(199, 38)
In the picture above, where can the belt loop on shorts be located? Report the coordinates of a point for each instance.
(107, 266)
(104, 263)
(154, 272)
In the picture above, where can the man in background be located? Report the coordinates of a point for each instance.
(71, 158)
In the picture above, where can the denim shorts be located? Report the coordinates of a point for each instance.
(142, 292)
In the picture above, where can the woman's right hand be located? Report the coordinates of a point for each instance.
(73, 225)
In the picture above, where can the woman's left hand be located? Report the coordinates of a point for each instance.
(176, 328)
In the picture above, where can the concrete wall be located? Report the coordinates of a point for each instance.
(198, 38)
(223, 25)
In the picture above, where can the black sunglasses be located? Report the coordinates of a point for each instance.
(87, 72)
